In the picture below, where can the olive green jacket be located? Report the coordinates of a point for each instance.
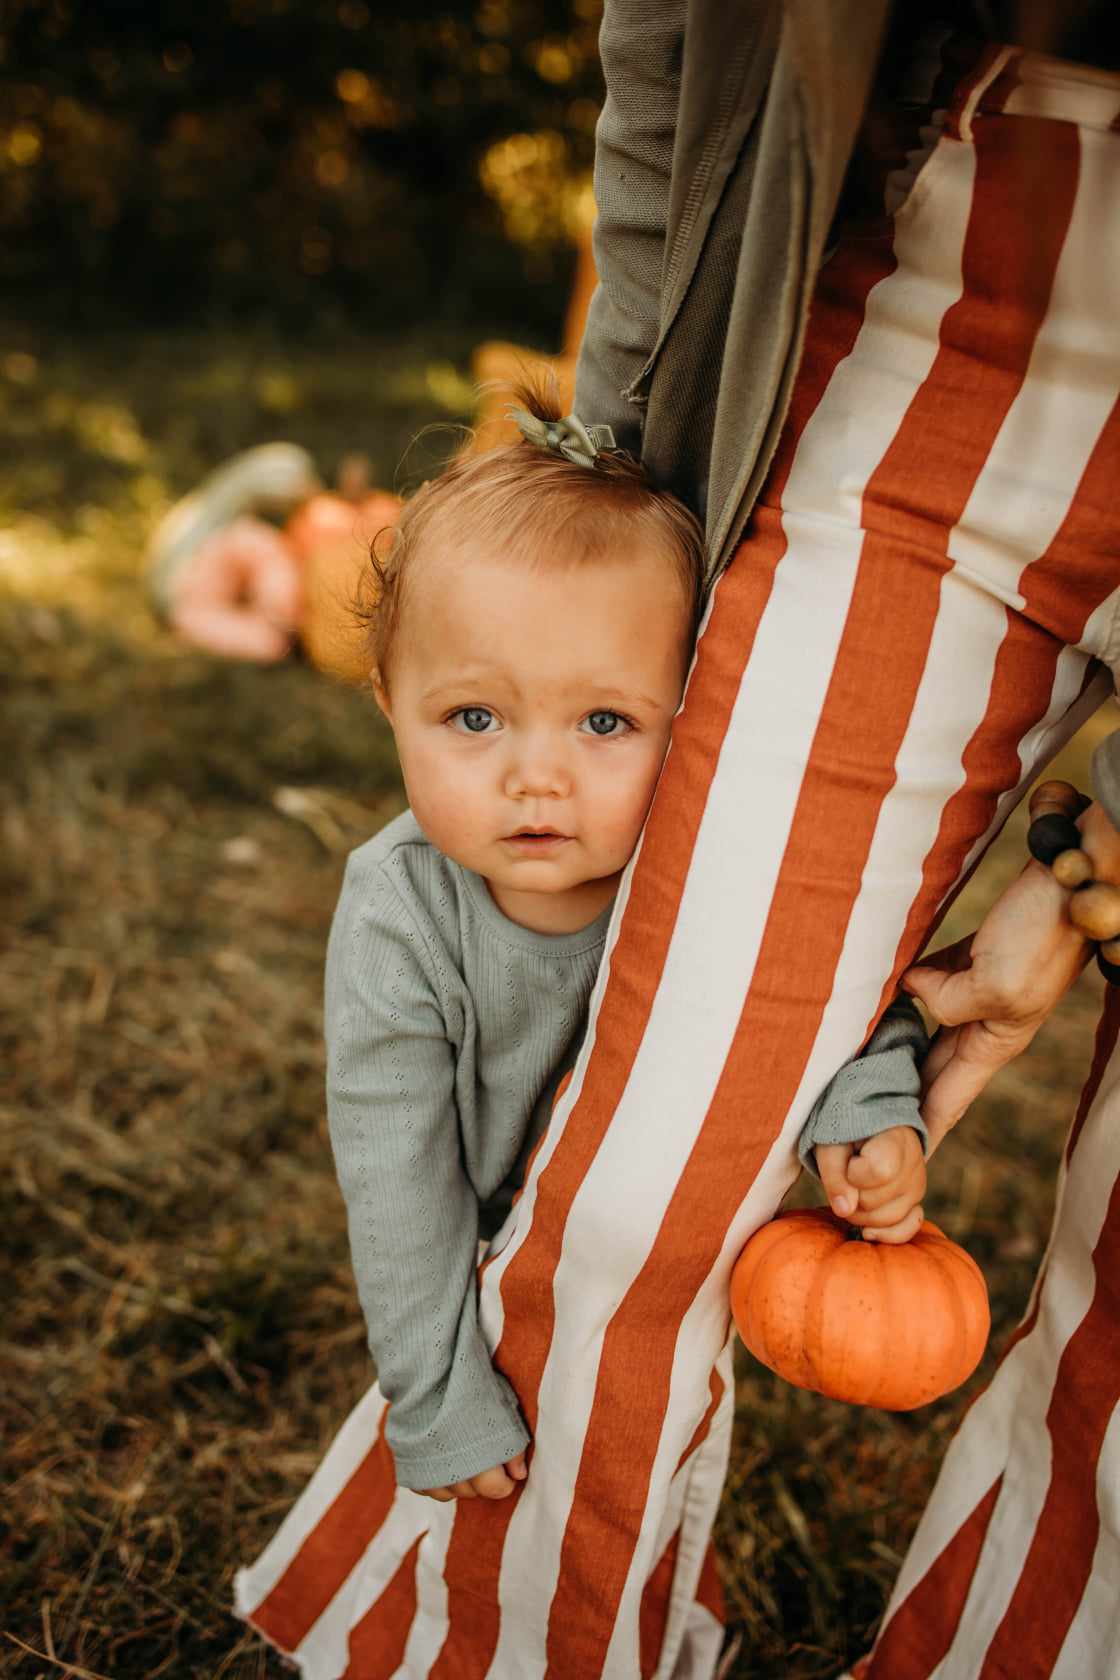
(720, 153)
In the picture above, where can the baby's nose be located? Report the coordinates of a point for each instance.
(538, 772)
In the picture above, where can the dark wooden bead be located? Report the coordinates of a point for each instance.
(1111, 971)
(1051, 835)
(1055, 796)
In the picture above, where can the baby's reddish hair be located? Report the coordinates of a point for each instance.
(535, 503)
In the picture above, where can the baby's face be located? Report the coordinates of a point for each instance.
(531, 707)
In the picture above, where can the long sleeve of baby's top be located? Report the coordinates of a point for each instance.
(874, 1091)
(445, 1026)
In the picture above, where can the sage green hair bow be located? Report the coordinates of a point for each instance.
(568, 437)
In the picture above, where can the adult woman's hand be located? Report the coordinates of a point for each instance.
(991, 992)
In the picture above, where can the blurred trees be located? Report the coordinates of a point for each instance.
(337, 160)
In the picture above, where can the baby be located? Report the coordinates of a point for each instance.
(531, 643)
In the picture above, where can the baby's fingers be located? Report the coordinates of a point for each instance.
(880, 1161)
(888, 1208)
(832, 1164)
(903, 1228)
(488, 1484)
(910, 1184)
(492, 1484)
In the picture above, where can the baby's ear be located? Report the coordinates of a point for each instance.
(380, 693)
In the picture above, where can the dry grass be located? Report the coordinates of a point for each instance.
(181, 1337)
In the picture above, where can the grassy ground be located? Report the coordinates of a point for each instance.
(181, 1337)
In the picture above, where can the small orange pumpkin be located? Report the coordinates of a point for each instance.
(876, 1324)
(331, 535)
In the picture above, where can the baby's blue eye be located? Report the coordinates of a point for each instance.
(476, 720)
(605, 723)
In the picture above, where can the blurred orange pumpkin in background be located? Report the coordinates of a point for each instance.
(330, 534)
(876, 1324)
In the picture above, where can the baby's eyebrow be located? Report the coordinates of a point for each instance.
(607, 697)
(461, 681)
(580, 692)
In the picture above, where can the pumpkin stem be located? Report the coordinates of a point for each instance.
(353, 479)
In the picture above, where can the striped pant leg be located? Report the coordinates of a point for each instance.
(905, 637)
(1014, 1573)
(903, 640)
(336, 1586)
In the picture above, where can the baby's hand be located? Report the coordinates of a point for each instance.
(488, 1484)
(878, 1184)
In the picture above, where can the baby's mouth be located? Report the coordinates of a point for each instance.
(536, 837)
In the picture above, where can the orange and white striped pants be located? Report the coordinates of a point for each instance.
(922, 612)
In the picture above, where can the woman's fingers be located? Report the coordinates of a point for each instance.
(951, 959)
(977, 1051)
(951, 995)
(1024, 957)
(991, 994)
(942, 1049)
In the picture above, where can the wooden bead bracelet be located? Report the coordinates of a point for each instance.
(1055, 840)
